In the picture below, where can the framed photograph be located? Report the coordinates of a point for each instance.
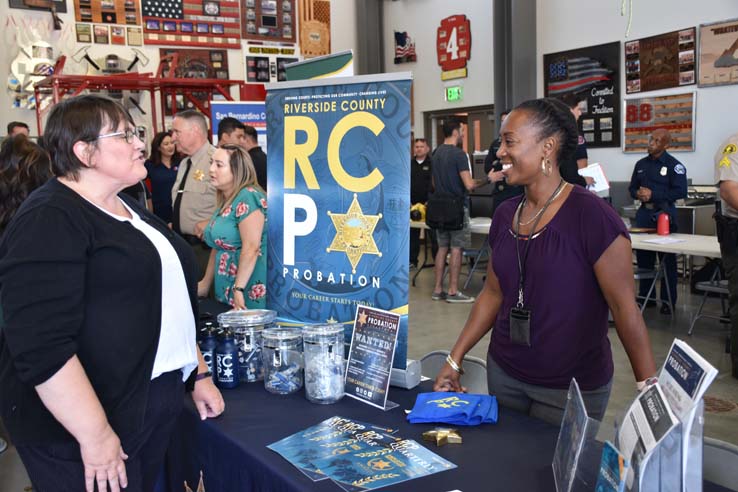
(186, 27)
(131, 18)
(251, 27)
(202, 28)
(605, 123)
(130, 5)
(117, 35)
(84, 33)
(109, 17)
(216, 56)
(250, 14)
(286, 6)
(107, 4)
(251, 3)
(211, 8)
(268, 6)
(135, 36)
(85, 15)
(217, 28)
(269, 20)
(102, 34)
(152, 25)
(286, 18)
(221, 74)
(169, 26)
(658, 62)
(718, 42)
(643, 115)
(600, 89)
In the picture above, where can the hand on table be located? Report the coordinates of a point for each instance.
(103, 460)
(207, 398)
(448, 380)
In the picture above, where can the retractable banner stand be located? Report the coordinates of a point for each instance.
(339, 199)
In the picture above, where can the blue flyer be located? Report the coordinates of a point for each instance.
(613, 470)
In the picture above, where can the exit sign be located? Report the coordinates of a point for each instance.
(454, 93)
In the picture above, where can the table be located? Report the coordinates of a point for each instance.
(514, 454)
(689, 244)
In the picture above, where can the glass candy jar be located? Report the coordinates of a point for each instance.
(282, 358)
(324, 377)
(247, 326)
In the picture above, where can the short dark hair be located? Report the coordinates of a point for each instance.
(553, 119)
(449, 125)
(421, 139)
(572, 99)
(228, 125)
(251, 132)
(79, 118)
(15, 124)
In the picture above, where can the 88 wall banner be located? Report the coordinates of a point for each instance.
(339, 199)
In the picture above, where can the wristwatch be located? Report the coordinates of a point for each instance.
(240, 289)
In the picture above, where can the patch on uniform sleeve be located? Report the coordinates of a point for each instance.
(680, 169)
(729, 149)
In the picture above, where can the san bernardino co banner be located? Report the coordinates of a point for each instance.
(339, 199)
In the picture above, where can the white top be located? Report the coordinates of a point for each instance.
(177, 347)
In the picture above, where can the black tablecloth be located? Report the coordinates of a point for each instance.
(514, 454)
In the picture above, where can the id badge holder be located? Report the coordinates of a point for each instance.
(520, 323)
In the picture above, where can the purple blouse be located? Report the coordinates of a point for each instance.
(569, 312)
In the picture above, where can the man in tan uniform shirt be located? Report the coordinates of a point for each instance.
(193, 197)
(726, 177)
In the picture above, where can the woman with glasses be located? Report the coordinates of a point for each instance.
(93, 361)
(162, 167)
(237, 232)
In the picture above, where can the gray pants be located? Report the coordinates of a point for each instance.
(543, 403)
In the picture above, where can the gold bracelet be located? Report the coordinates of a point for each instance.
(454, 365)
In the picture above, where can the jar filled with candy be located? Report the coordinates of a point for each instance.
(247, 326)
(282, 358)
(323, 362)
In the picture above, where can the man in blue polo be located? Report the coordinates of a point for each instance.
(658, 181)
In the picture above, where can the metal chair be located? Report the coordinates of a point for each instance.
(720, 463)
(475, 370)
(654, 275)
(717, 286)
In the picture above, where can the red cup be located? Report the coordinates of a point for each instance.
(662, 225)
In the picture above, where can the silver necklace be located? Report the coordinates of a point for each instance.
(560, 188)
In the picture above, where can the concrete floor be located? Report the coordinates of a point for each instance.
(435, 325)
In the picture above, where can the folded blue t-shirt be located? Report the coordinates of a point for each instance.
(454, 408)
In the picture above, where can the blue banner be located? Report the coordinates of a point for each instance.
(248, 113)
(339, 199)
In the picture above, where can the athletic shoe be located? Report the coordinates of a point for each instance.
(459, 298)
(439, 296)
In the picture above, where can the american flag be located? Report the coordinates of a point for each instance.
(575, 74)
(404, 48)
(206, 23)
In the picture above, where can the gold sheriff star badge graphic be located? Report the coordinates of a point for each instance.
(354, 233)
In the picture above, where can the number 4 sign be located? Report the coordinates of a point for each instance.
(453, 46)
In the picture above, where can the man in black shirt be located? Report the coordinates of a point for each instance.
(420, 186)
(570, 169)
(493, 168)
(258, 156)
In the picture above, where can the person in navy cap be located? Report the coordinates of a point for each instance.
(658, 181)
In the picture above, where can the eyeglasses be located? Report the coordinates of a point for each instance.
(138, 132)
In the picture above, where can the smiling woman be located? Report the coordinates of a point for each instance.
(92, 359)
(560, 258)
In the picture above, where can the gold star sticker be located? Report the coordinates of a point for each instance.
(362, 317)
(354, 233)
(380, 464)
(442, 436)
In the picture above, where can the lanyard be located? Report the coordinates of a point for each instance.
(522, 262)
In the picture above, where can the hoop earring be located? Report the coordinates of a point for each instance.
(545, 166)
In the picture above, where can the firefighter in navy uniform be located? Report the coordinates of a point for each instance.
(726, 177)
(658, 181)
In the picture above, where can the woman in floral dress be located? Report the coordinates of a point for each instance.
(237, 232)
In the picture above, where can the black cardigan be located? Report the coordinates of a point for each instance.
(74, 280)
